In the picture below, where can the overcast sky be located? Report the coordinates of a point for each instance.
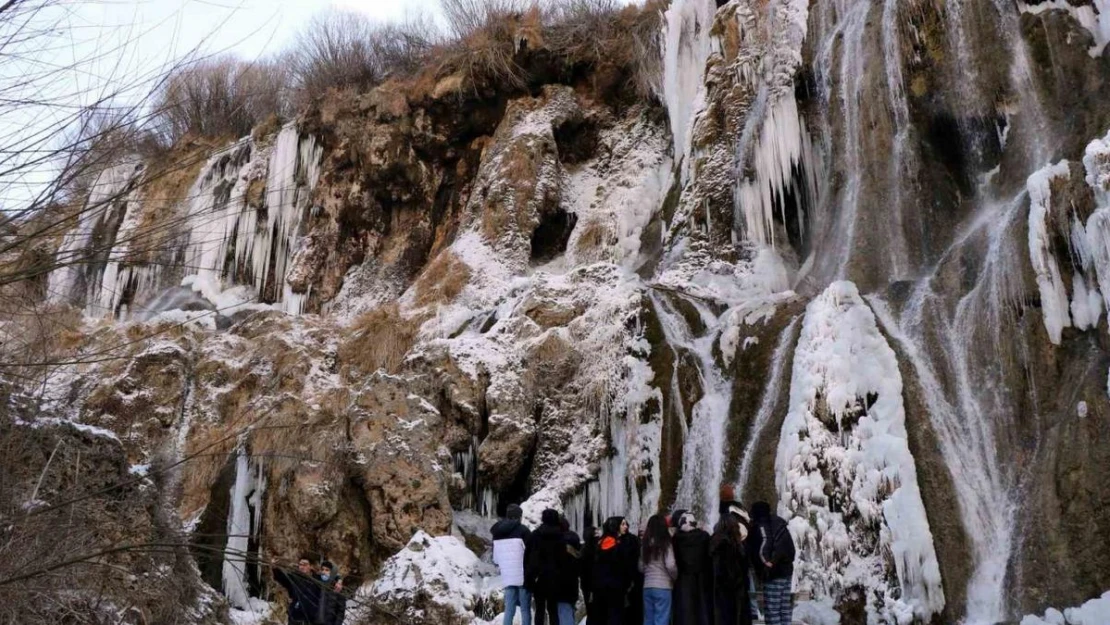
(94, 50)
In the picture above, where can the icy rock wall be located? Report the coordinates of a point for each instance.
(240, 225)
(1088, 243)
(844, 467)
(105, 213)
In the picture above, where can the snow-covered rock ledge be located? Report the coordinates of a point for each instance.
(1094, 612)
(432, 581)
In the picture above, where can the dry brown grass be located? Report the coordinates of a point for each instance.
(442, 280)
(380, 340)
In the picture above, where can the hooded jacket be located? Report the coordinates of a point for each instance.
(333, 605)
(552, 567)
(510, 539)
(776, 548)
(693, 588)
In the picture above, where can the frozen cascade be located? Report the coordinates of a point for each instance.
(227, 244)
(1054, 296)
(844, 466)
(244, 523)
(224, 226)
(766, 405)
(686, 48)
(106, 207)
(704, 443)
(848, 35)
(966, 415)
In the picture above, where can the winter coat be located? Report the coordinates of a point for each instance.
(333, 605)
(776, 547)
(731, 599)
(660, 572)
(693, 589)
(551, 570)
(613, 568)
(304, 595)
(635, 612)
(510, 539)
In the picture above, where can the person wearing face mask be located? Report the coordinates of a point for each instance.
(692, 595)
(333, 605)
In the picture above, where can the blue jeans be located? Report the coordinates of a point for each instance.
(657, 606)
(566, 614)
(518, 596)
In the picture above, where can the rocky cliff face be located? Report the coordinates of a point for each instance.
(849, 258)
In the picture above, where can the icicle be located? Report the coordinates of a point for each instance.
(1054, 297)
(238, 535)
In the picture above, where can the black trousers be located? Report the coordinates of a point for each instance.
(608, 609)
(545, 609)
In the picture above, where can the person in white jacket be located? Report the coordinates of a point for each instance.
(510, 540)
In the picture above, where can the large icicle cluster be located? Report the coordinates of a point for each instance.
(686, 48)
(229, 237)
(844, 471)
(1089, 244)
(105, 210)
(775, 146)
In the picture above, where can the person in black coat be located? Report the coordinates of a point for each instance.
(731, 601)
(693, 588)
(612, 572)
(551, 570)
(775, 560)
(304, 592)
(333, 604)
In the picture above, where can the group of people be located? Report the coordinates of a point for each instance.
(675, 572)
(315, 595)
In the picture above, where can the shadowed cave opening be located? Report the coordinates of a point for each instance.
(549, 239)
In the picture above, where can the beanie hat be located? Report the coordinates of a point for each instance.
(728, 493)
(550, 517)
(513, 512)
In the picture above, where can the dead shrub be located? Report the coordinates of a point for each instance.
(486, 39)
(221, 97)
(620, 42)
(381, 339)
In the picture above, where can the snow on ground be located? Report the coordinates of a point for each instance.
(1094, 612)
(844, 467)
(257, 613)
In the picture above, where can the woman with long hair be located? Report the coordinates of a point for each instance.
(658, 564)
(731, 602)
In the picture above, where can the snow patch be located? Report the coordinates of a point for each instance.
(1094, 612)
